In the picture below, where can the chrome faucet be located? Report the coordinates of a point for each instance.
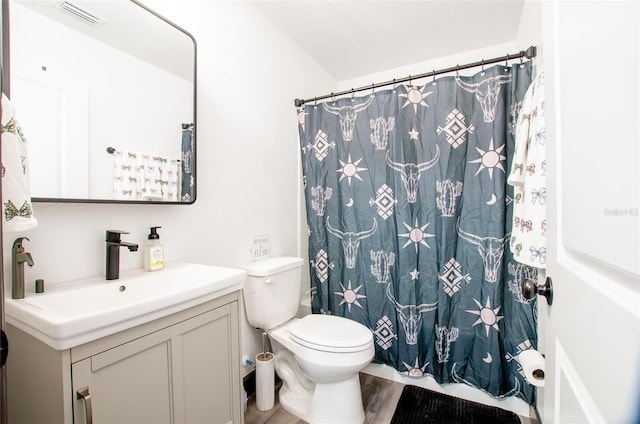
(18, 258)
(113, 252)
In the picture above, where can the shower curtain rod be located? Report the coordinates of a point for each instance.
(112, 150)
(529, 54)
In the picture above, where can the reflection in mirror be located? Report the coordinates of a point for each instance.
(105, 95)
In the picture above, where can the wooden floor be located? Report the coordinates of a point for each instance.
(379, 397)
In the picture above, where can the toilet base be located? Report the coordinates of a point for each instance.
(328, 404)
(295, 403)
(337, 403)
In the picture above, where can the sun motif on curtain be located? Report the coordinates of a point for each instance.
(490, 159)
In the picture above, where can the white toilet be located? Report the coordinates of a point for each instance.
(318, 357)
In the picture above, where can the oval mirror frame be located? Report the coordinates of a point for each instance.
(6, 66)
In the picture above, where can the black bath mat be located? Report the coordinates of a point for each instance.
(421, 406)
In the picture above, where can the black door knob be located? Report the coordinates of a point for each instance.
(529, 289)
(4, 348)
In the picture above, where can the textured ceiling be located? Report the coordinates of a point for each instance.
(354, 38)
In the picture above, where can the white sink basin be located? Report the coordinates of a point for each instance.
(73, 313)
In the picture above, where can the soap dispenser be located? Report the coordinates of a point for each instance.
(154, 252)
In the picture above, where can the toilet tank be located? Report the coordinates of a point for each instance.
(272, 291)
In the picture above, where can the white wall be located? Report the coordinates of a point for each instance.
(430, 65)
(529, 33)
(248, 75)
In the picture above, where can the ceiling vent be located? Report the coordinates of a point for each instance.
(80, 12)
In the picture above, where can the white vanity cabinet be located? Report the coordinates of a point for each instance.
(183, 368)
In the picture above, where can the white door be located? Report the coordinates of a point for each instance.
(52, 109)
(592, 331)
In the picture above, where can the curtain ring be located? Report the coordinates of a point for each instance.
(333, 98)
(482, 68)
(394, 85)
(521, 62)
(315, 102)
(457, 71)
(353, 95)
(372, 89)
(434, 77)
(410, 80)
(506, 63)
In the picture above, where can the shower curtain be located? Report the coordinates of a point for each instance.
(408, 216)
(188, 186)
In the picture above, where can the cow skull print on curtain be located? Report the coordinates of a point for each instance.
(408, 216)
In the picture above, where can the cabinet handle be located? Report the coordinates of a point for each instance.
(84, 394)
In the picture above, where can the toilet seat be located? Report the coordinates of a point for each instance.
(328, 333)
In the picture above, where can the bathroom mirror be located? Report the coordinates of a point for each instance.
(105, 94)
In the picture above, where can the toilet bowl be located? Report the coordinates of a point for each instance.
(318, 357)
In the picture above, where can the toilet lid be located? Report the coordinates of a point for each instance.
(330, 333)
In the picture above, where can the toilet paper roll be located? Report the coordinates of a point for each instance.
(265, 381)
(532, 363)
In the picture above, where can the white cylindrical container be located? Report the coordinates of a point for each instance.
(265, 381)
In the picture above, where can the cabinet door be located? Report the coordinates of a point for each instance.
(206, 368)
(188, 372)
(128, 384)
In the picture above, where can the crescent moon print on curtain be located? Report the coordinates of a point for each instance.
(409, 213)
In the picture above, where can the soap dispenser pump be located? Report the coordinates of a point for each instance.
(154, 252)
